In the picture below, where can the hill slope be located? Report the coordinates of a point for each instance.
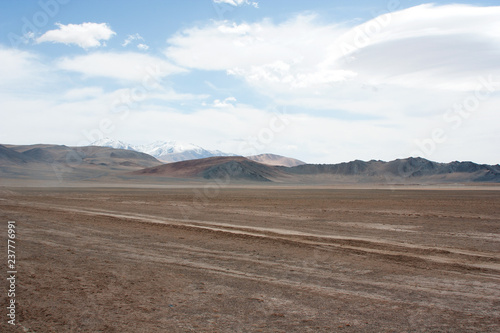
(233, 167)
(9, 156)
(54, 162)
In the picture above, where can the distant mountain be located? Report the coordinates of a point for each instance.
(75, 155)
(409, 169)
(54, 162)
(174, 151)
(107, 142)
(166, 151)
(278, 160)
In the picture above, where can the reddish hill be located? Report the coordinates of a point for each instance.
(235, 167)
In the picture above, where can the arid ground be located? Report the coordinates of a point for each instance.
(254, 259)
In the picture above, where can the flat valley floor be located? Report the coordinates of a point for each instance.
(253, 259)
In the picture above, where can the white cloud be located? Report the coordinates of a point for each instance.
(226, 45)
(131, 38)
(286, 53)
(135, 37)
(227, 102)
(85, 35)
(282, 73)
(129, 66)
(238, 2)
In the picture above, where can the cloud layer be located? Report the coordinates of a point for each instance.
(445, 46)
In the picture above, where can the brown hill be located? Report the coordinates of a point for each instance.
(233, 167)
(73, 156)
(54, 162)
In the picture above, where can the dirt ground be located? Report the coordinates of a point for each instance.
(264, 259)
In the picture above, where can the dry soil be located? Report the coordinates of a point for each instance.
(265, 259)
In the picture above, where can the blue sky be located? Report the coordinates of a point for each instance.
(322, 81)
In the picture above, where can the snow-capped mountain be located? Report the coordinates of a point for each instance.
(159, 148)
(174, 151)
(107, 142)
(166, 151)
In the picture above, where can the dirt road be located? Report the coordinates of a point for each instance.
(255, 260)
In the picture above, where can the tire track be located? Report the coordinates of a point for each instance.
(325, 282)
(395, 250)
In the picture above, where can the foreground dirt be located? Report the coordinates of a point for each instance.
(254, 260)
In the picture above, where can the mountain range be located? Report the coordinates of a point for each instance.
(93, 163)
(174, 151)
(409, 170)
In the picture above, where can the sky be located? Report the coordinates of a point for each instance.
(321, 81)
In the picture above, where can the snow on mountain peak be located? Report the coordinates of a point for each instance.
(168, 151)
(117, 144)
(167, 147)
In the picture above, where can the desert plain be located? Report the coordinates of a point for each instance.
(263, 258)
